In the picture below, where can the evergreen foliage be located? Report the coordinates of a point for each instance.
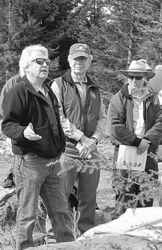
(116, 30)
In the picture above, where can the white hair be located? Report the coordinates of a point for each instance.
(25, 58)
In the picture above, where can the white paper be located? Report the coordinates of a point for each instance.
(129, 158)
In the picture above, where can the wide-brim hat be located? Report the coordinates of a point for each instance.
(139, 66)
(79, 49)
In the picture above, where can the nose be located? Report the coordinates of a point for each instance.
(45, 63)
(134, 80)
(78, 61)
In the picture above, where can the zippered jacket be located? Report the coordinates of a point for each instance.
(120, 117)
(84, 118)
(23, 105)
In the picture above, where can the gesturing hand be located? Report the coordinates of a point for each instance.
(30, 134)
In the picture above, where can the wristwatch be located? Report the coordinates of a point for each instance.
(94, 138)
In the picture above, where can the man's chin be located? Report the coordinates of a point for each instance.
(79, 72)
(43, 75)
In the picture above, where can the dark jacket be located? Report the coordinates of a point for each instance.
(120, 114)
(84, 118)
(23, 105)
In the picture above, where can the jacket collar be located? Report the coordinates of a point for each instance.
(29, 86)
(125, 92)
(67, 78)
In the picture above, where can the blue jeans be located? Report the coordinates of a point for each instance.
(33, 178)
(87, 188)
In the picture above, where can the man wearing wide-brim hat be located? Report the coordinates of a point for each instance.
(135, 119)
(139, 66)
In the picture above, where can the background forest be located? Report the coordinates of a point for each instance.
(116, 30)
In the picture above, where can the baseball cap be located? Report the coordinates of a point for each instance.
(79, 49)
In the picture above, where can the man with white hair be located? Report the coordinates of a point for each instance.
(83, 119)
(31, 120)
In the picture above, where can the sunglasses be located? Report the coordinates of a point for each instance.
(41, 61)
(135, 77)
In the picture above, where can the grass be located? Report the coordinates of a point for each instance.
(8, 211)
(105, 201)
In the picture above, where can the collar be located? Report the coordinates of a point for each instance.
(126, 93)
(81, 82)
(46, 90)
(74, 77)
(46, 85)
(68, 78)
(140, 94)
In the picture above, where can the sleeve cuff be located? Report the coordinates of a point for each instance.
(94, 138)
(137, 142)
(78, 135)
(97, 137)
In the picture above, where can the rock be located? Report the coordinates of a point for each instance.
(105, 242)
(38, 238)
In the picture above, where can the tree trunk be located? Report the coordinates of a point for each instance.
(160, 11)
(9, 21)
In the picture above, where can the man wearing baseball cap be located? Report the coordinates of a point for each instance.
(79, 49)
(135, 119)
(84, 122)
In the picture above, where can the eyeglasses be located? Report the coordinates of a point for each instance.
(135, 77)
(41, 61)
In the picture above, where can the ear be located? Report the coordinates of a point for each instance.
(26, 69)
(69, 59)
(146, 76)
(145, 80)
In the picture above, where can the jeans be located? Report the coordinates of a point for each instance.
(34, 177)
(87, 187)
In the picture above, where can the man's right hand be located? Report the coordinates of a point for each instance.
(30, 134)
(89, 146)
(143, 146)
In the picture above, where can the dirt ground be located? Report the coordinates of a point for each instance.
(105, 195)
(105, 201)
(104, 192)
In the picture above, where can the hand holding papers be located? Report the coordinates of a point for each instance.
(129, 158)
